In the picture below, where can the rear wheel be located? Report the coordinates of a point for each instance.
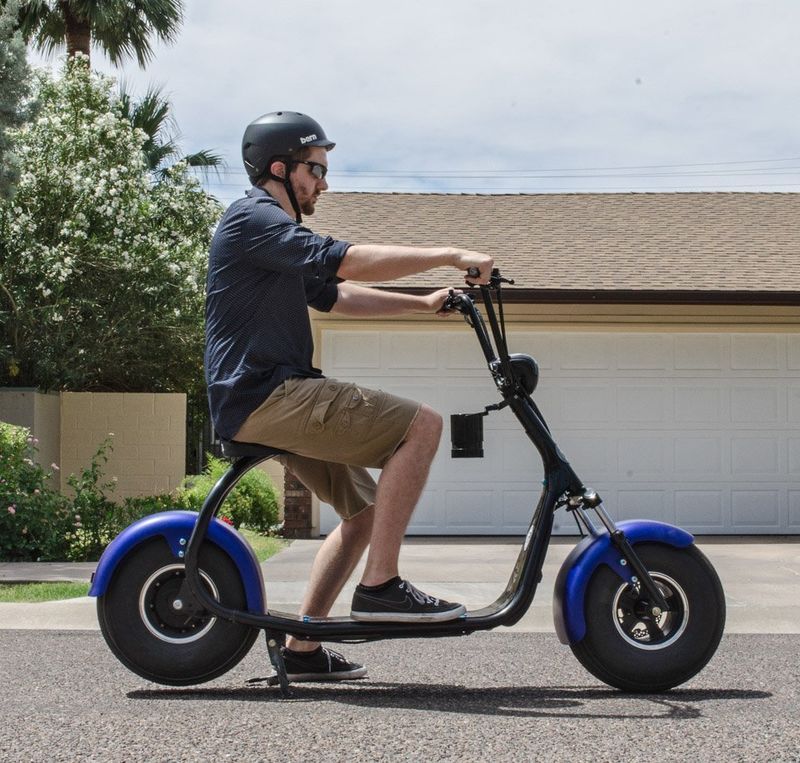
(636, 647)
(149, 622)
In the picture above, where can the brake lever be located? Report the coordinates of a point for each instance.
(494, 281)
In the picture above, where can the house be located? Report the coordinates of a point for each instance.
(667, 330)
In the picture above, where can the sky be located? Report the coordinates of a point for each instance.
(521, 96)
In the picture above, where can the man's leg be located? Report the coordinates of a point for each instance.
(333, 565)
(399, 489)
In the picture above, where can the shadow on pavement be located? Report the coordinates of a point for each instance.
(517, 701)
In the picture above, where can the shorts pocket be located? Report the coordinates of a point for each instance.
(321, 409)
(359, 409)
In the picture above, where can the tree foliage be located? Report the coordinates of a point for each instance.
(102, 282)
(121, 28)
(152, 114)
(14, 90)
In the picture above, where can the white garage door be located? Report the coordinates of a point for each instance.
(697, 429)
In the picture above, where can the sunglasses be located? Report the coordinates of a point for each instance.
(319, 171)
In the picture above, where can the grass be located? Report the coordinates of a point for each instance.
(18, 593)
(263, 545)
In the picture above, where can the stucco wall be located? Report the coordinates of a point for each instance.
(149, 434)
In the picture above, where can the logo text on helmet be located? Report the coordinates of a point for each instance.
(308, 138)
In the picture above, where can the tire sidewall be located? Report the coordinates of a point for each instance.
(613, 659)
(218, 650)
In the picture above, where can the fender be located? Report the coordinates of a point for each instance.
(578, 568)
(176, 528)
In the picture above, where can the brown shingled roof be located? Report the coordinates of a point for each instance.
(694, 247)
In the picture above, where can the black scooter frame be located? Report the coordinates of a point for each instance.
(562, 487)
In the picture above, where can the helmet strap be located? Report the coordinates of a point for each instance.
(287, 185)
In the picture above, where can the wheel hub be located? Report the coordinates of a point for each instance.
(644, 625)
(165, 610)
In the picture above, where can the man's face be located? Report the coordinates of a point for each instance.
(307, 187)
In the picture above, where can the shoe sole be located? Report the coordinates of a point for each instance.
(345, 675)
(409, 617)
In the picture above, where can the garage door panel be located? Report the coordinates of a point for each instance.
(755, 404)
(695, 456)
(699, 403)
(793, 446)
(590, 454)
(643, 458)
(429, 514)
(755, 457)
(701, 509)
(471, 508)
(642, 504)
(756, 352)
(355, 349)
(700, 352)
(518, 508)
(758, 510)
(586, 403)
(794, 510)
(644, 352)
(642, 404)
(585, 352)
(793, 350)
(410, 350)
(793, 395)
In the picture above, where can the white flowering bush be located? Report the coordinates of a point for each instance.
(102, 273)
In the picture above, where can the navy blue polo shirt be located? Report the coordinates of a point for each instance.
(264, 270)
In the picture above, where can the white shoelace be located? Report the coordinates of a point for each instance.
(419, 596)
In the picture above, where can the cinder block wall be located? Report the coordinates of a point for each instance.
(39, 413)
(149, 438)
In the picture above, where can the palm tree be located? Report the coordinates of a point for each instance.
(121, 28)
(152, 115)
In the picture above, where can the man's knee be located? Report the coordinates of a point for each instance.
(427, 425)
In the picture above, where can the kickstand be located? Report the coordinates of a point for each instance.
(274, 643)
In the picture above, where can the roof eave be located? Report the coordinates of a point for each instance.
(638, 296)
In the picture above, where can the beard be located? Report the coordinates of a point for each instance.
(307, 206)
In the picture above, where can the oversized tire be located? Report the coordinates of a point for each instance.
(153, 633)
(628, 646)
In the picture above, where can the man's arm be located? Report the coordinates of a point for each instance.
(362, 302)
(374, 262)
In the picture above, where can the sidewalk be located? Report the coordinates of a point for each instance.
(761, 578)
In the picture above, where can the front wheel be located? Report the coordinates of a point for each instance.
(148, 623)
(634, 647)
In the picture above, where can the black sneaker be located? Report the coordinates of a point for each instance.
(399, 602)
(320, 665)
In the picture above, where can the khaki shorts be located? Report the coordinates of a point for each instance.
(333, 431)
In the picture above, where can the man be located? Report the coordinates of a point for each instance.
(265, 269)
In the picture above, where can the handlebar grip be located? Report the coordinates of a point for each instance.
(473, 272)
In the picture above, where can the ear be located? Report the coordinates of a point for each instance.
(278, 169)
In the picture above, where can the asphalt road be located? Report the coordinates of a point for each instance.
(492, 696)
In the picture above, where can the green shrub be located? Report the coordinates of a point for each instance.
(37, 523)
(98, 518)
(34, 518)
(252, 502)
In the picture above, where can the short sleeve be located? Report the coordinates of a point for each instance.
(276, 242)
(322, 295)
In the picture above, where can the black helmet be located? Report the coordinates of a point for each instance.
(278, 134)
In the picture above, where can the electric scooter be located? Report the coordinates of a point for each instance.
(181, 597)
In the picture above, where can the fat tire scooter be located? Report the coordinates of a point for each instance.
(181, 597)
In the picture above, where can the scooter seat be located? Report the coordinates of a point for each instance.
(236, 449)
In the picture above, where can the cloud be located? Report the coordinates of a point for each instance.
(446, 85)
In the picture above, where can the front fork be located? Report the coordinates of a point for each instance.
(589, 499)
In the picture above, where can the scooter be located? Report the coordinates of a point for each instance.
(181, 597)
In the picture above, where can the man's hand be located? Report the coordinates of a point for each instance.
(464, 259)
(435, 302)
